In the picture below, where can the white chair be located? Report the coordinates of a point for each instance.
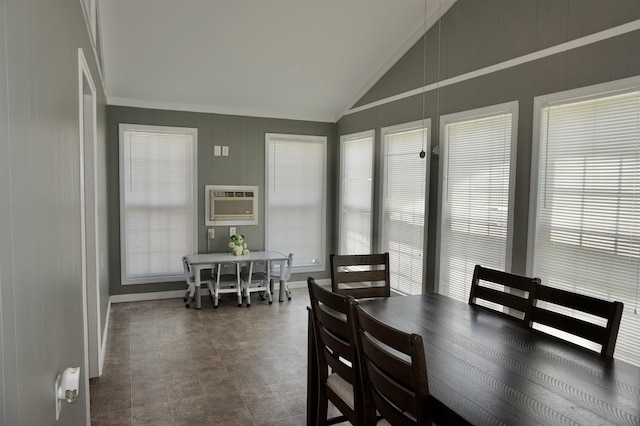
(275, 274)
(256, 280)
(190, 278)
(227, 280)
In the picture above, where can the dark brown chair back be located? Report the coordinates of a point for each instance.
(611, 313)
(337, 368)
(393, 370)
(520, 300)
(361, 275)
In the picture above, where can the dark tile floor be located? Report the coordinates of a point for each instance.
(167, 365)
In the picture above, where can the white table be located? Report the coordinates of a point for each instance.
(208, 261)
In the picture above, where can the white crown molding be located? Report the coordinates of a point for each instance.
(216, 109)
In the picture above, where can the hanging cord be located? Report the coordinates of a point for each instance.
(635, 201)
(438, 72)
(436, 150)
(423, 154)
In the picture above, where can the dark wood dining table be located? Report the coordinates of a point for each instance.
(487, 370)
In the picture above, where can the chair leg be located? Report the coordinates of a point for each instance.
(211, 291)
(284, 290)
(189, 296)
(287, 291)
(269, 296)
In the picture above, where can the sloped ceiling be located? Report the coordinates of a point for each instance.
(297, 59)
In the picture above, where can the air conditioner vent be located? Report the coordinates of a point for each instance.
(231, 205)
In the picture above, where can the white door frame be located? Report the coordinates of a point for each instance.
(89, 224)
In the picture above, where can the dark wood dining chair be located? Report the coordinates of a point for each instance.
(512, 292)
(361, 275)
(609, 313)
(393, 370)
(337, 363)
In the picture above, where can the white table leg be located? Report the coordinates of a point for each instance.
(198, 299)
(281, 289)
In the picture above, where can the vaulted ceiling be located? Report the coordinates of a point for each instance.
(297, 59)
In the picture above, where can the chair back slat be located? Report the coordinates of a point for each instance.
(403, 375)
(393, 371)
(333, 321)
(361, 275)
(394, 403)
(517, 293)
(186, 266)
(288, 267)
(355, 276)
(501, 298)
(571, 325)
(609, 312)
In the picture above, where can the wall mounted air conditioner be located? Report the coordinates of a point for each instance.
(231, 205)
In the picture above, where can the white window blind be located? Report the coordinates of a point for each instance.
(296, 195)
(404, 203)
(356, 173)
(475, 224)
(586, 228)
(157, 201)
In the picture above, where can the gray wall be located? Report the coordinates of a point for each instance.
(476, 34)
(244, 166)
(41, 320)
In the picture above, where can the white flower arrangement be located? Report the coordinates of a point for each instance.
(237, 245)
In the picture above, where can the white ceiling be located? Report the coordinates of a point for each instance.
(297, 59)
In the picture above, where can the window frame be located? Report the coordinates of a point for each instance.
(343, 140)
(568, 97)
(321, 265)
(123, 127)
(384, 131)
(511, 107)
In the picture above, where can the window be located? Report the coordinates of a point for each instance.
(585, 223)
(404, 184)
(356, 170)
(157, 201)
(296, 198)
(476, 185)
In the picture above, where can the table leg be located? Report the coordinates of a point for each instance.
(197, 295)
(281, 289)
(268, 283)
